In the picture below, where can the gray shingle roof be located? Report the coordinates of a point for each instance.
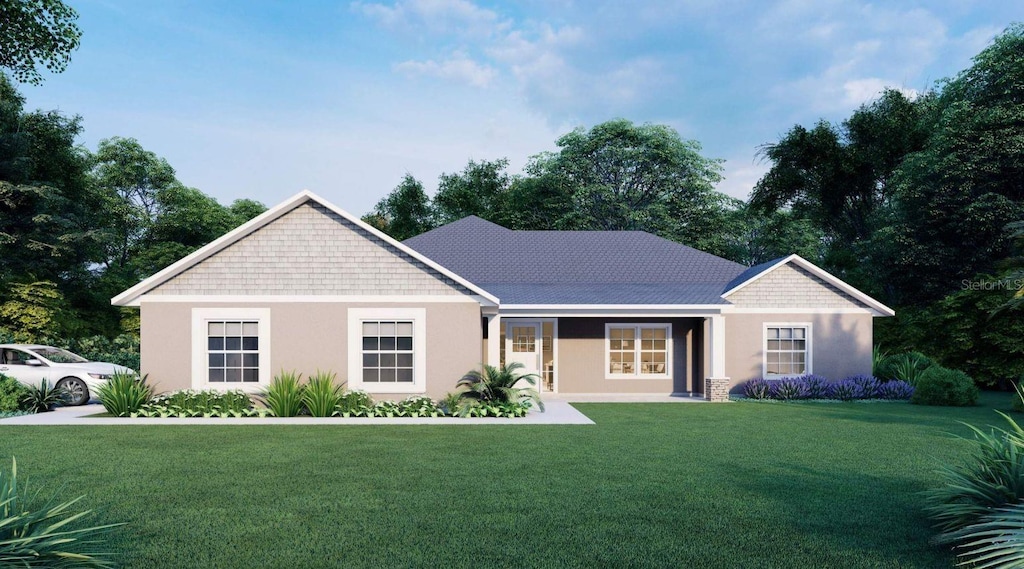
(577, 267)
(751, 273)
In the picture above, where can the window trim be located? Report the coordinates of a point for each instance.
(418, 316)
(667, 326)
(808, 359)
(200, 359)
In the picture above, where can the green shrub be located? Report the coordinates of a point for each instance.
(996, 541)
(450, 404)
(354, 403)
(497, 385)
(906, 367)
(121, 350)
(43, 398)
(284, 394)
(943, 386)
(206, 403)
(12, 392)
(45, 535)
(124, 394)
(321, 395)
(993, 477)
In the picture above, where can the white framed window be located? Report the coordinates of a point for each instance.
(387, 349)
(787, 349)
(638, 351)
(231, 348)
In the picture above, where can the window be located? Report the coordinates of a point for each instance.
(638, 350)
(230, 348)
(387, 349)
(233, 351)
(787, 349)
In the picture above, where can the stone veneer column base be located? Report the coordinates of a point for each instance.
(716, 389)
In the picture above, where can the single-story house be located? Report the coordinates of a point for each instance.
(307, 286)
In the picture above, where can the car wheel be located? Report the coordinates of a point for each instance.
(78, 391)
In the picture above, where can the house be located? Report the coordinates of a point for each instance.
(308, 286)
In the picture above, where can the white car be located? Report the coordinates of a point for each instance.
(31, 364)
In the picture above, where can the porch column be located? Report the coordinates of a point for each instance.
(716, 385)
(493, 340)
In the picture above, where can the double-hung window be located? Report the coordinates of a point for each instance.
(787, 349)
(638, 351)
(230, 348)
(387, 349)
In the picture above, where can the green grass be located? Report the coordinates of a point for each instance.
(669, 485)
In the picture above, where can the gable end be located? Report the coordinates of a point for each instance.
(311, 250)
(792, 286)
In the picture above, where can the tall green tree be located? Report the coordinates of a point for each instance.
(619, 175)
(34, 34)
(481, 189)
(405, 212)
(839, 177)
(955, 196)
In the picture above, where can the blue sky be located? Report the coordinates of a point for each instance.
(261, 99)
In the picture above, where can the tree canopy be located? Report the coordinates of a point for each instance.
(35, 34)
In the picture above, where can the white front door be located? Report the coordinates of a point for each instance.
(524, 345)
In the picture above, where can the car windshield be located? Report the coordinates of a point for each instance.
(60, 356)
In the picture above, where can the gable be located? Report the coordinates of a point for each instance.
(310, 250)
(792, 286)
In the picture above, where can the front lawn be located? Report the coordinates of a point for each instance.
(670, 485)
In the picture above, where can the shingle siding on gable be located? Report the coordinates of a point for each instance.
(311, 251)
(791, 286)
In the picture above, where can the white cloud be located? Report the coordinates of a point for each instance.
(458, 67)
(459, 17)
(740, 175)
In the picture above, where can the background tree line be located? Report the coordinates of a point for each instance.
(911, 199)
(918, 201)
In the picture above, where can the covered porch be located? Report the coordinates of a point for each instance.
(619, 352)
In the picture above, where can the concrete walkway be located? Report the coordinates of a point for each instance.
(555, 413)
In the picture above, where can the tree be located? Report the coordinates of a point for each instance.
(37, 33)
(621, 176)
(758, 237)
(955, 196)
(840, 177)
(33, 311)
(405, 212)
(481, 189)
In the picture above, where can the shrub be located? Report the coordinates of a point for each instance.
(12, 392)
(895, 390)
(43, 398)
(418, 406)
(879, 362)
(205, 401)
(124, 394)
(996, 541)
(284, 395)
(321, 395)
(789, 388)
(867, 386)
(992, 478)
(44, 535)
(450, 404)
(907, 367)
(492, 409)
(844, 390)
(757, 388)
(817, 386)
(355, 403)
(943, 386)
(122, 350)
(497, 385)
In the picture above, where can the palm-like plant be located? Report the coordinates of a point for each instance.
(996, 542)
(43, 398)
(498, 385)
(45, 535)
